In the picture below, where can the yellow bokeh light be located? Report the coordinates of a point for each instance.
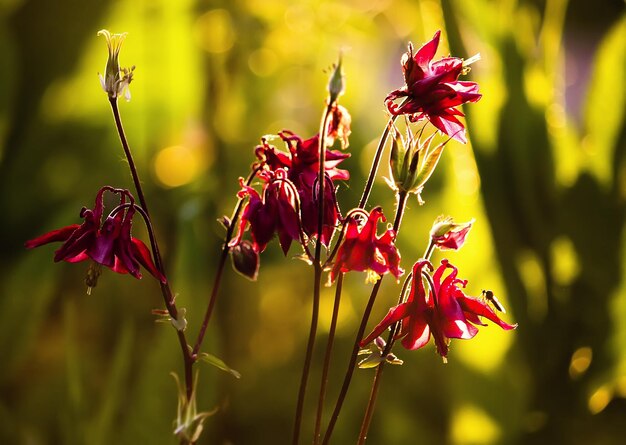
(565, 262)
(534, 281)
(263, 62)
(177, 165)
(471, 425)
(599, 399)
(215, 31)
(581, 359)
(347, 315)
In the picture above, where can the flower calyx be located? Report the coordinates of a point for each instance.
(412, 161)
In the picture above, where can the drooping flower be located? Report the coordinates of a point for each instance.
(339, 127)
(116, 80)
(107, 243)
(432, 89)
(448, 235)
(445, 311)
(363, 250)
(275, 212)
(301, 164)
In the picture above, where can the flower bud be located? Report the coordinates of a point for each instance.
(245, 259)
(336, 85)
(446, 234)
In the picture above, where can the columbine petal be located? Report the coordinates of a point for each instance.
(432, 90)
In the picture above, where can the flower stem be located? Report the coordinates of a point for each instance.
(371, 404)
(317, 265)
(327, 354)
(375, 163)
(220, 268)
(402, 200)
(168, 295)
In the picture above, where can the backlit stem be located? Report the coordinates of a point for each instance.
(166, 291)
(317, 264)
(402, 200)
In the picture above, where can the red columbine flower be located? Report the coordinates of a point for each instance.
(445, 311)
(275, 212)
(363, 250)
(302, 166)
(446, 234)
(107, 243)
(432, 89)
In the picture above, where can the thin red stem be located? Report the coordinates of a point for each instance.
(220, 268)
(327, 356)
(402, 199)
(371, 404)
(376, 162)
(317, 264)
(166, 291)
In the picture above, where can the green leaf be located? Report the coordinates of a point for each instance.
(428, 167)
(371, 361)
(219, 363)
(603, 127)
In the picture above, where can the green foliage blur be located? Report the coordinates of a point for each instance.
(544, 176)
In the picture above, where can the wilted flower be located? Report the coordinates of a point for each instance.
(116, 80)
(339, 126)
(432, 89)
(107, 243)
(275, 212)
(363, 250)
(446, 234)
(445, 311)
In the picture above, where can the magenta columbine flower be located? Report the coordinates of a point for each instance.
(445, 311)
(275, 212)
(302, 164)
(363, 250)
(448, 235)
(107, 243)
(432, 90)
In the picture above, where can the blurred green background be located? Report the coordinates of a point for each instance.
(544, 175)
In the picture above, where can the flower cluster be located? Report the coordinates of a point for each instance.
(291, 194)
(288, 204)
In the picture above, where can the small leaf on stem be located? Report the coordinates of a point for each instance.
(218, 363)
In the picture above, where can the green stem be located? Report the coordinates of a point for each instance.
(402, 199)
(327, 355)
(317, 264)
(166, 291)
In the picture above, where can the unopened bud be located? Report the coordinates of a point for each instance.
(336, 83)
(448, 235)
(245, 259)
